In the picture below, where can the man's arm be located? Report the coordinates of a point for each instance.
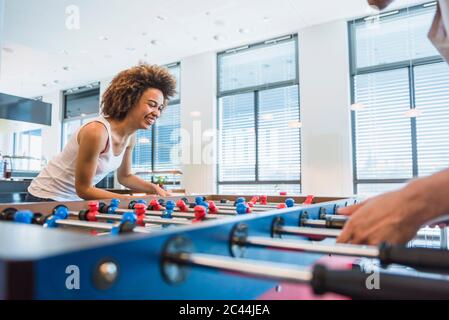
(395, 217)
(126, 178)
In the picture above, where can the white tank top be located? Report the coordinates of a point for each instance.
(57, 180)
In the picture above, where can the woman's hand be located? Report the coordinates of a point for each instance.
(161, 192)
(393, 217)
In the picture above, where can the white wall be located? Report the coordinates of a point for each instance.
(325, 100)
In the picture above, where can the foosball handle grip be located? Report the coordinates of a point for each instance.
(360, 285)
(337, 222)
(431, 260)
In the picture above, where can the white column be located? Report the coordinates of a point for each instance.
(51, 135)
(325, 100)
(198, 116)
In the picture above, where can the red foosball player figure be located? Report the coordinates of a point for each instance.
(155, 205)
(254, 199)
(283, 193)
(282, 206)
(263, 200)
(140, 210)
(200, 214)
(212, 208)
(309, 200)
(93, 211)
(182, 206)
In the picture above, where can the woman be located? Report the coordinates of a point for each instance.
(134, 100)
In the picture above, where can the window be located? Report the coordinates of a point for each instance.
(69, 127)
(28, 151)
(80, 106)
(259, 119)
(401, 87)
(158, 149)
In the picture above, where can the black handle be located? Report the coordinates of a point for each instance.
(353, 283)
(428, 259)
(337, 222)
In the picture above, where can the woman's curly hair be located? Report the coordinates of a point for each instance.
(128, 86)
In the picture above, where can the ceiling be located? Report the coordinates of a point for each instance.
(40, 54)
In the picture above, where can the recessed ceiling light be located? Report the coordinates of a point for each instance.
(208, 13)
(161, 18)
(45, 85)
(244, 30)
(154, 42)
(66, 68)
(219, 37)
(103, 38)
(219, 23)
(83, 115)
(144, 34)
(56, 81)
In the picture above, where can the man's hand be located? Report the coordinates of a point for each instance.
(392, 217)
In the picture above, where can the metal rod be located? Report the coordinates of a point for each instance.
(96, 225)
(177, 214)
(265, 270)
(343, 249)
(331, 233)
(255, 208)
(443, 238)
(86, 224)
(314, 223)
(114, 217)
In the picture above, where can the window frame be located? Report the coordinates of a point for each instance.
(405, 64)
(256, 90)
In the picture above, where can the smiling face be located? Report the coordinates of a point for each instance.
(147, 110)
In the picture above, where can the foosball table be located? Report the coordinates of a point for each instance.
(201, 248)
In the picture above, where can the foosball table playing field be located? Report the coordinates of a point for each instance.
(201, 248)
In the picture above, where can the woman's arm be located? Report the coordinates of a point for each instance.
(126, 178)
(92, 140)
